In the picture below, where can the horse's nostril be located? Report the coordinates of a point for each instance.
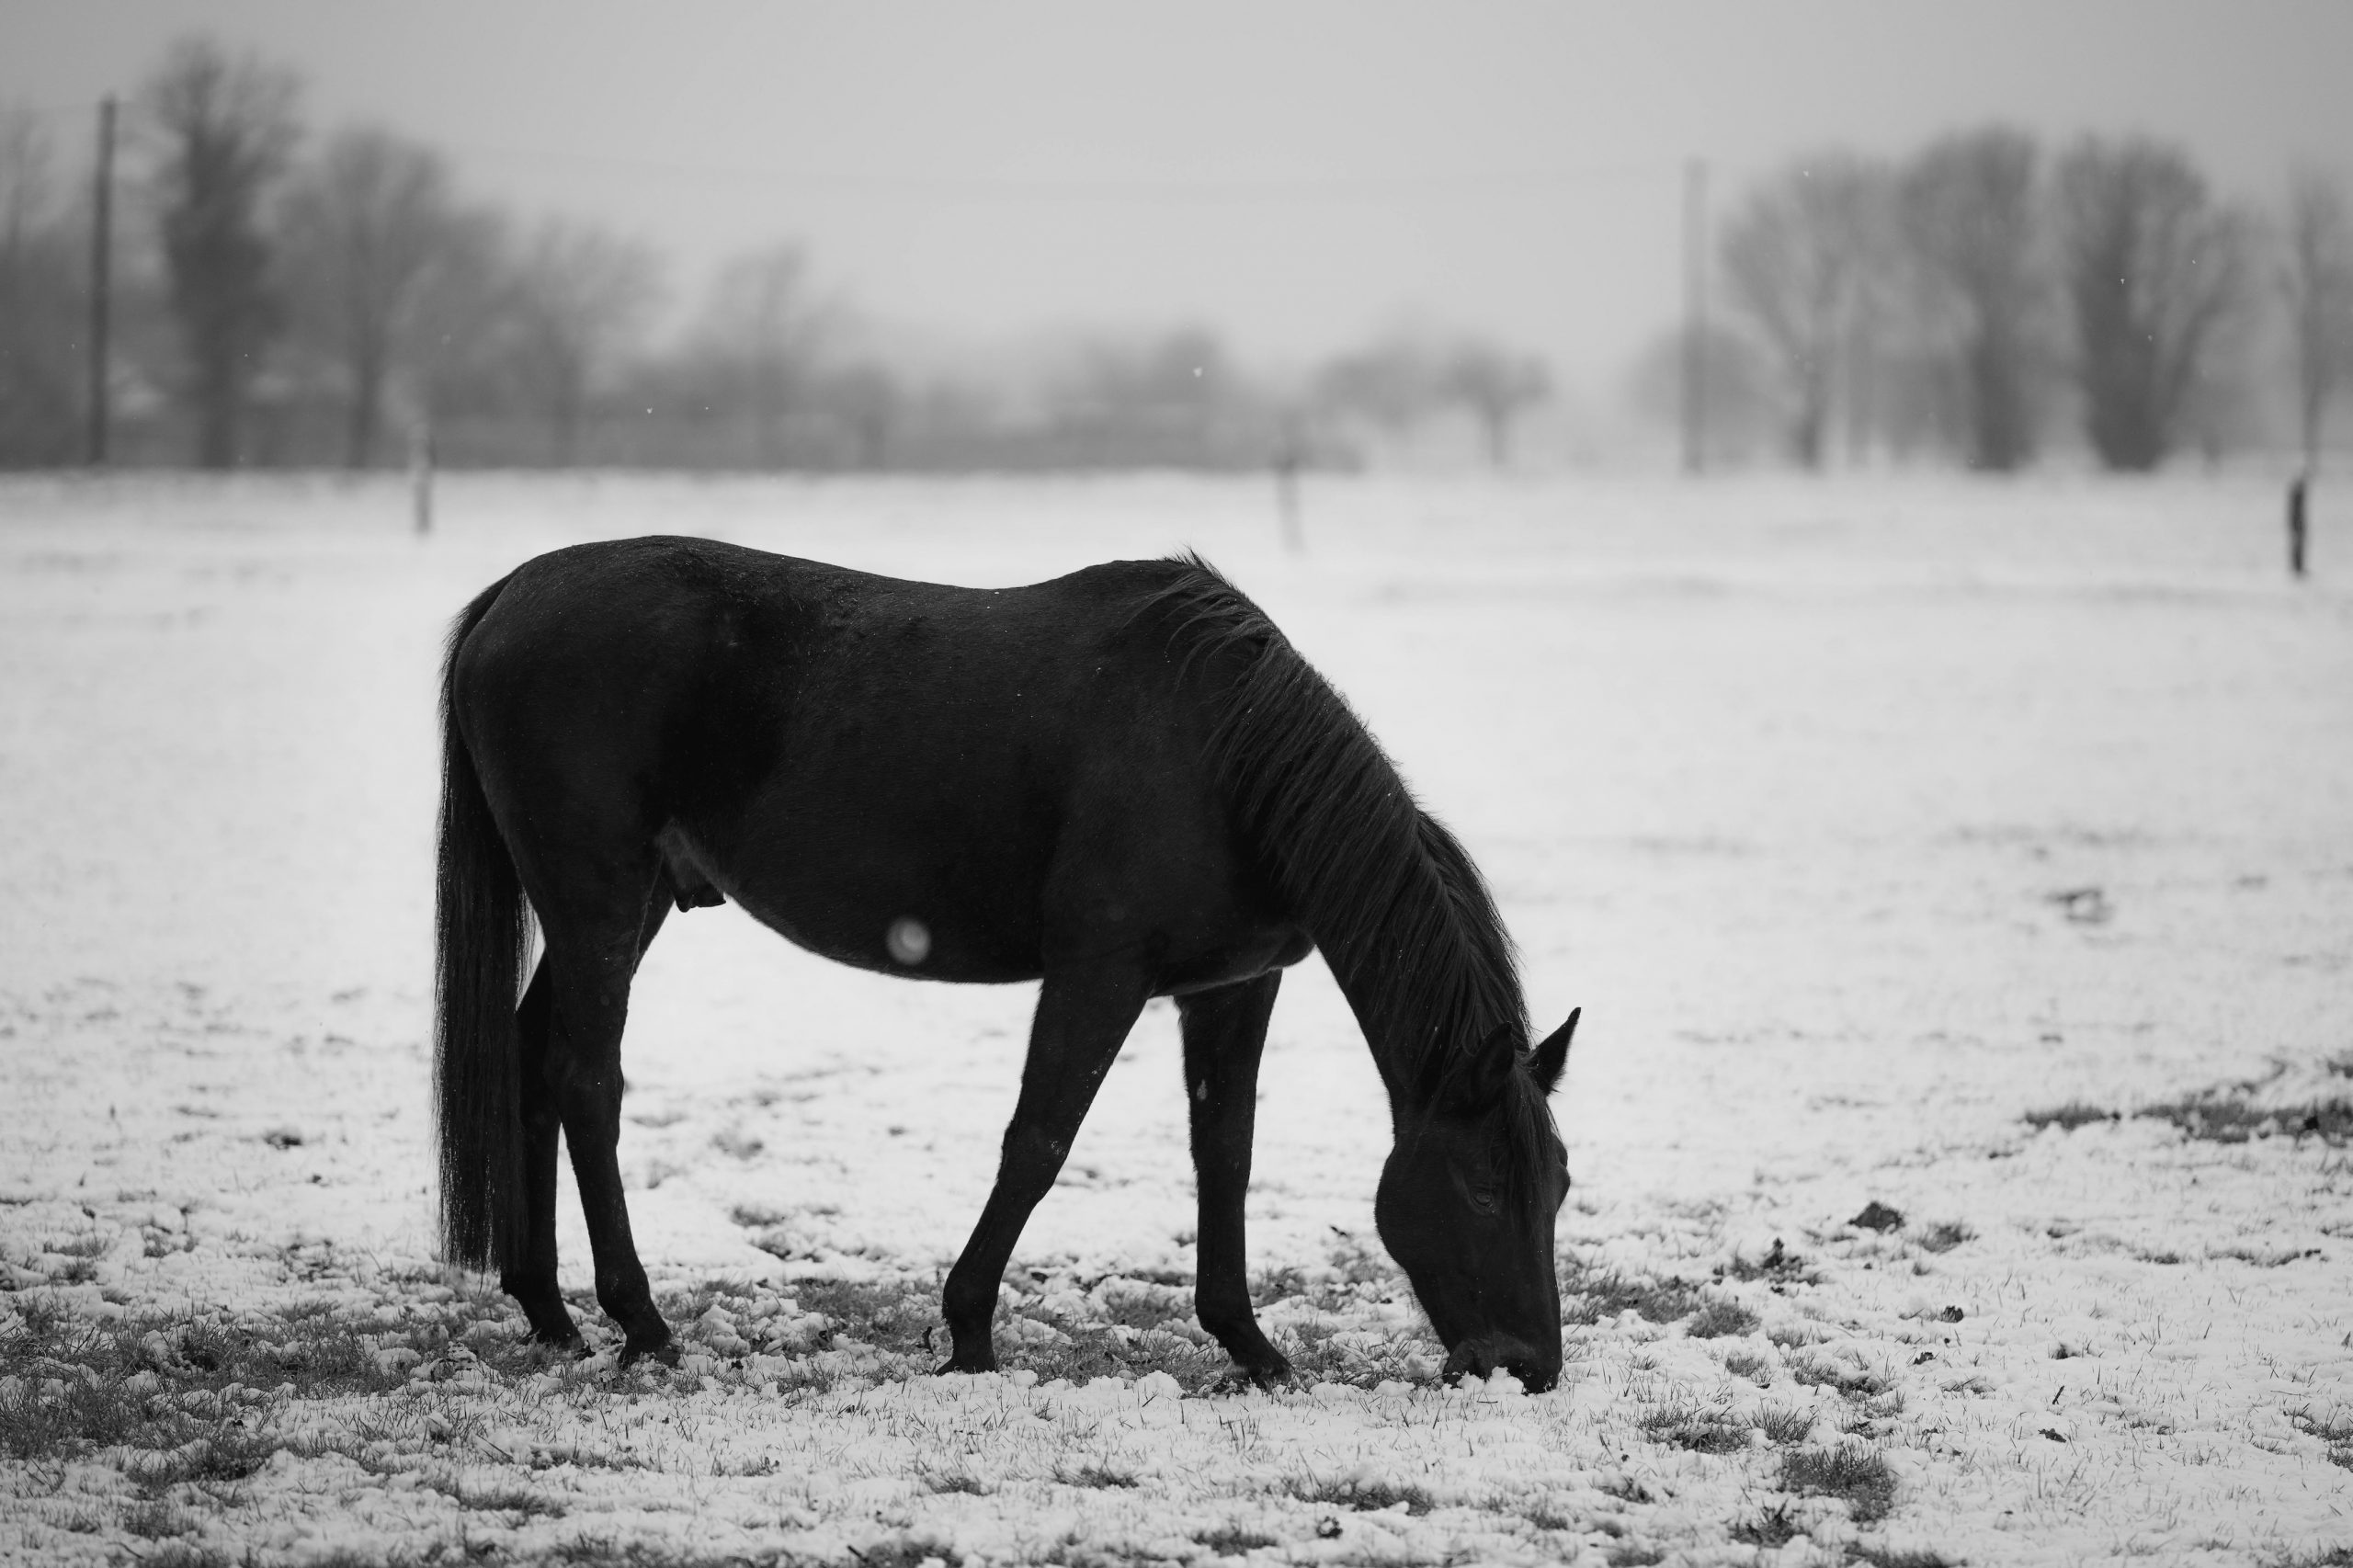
(1536, 1379)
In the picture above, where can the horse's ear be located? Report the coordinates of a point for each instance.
(1552, 1055)
(1476, 1080)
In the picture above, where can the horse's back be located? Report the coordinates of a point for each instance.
(1018, 770)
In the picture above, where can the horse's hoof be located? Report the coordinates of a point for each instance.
(665, 1354)
(974, 1365)
(1267, 1376)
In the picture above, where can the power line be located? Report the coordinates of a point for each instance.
(1094, 188)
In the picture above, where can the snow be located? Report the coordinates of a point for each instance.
(1862, 820)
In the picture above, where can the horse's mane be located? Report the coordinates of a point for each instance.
(1384, 890)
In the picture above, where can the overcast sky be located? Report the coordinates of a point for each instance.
(1295, 174)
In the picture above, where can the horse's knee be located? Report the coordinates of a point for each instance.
(1032, 1158)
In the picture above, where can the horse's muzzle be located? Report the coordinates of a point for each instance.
(1481, 1356)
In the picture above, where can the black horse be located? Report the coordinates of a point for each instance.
(1124, 782)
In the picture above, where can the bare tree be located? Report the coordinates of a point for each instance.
(1498, 386)
(39, 302)
(1173, 399)
(366, 224)
(2317, 277)
(1395, 384)
(2153, 268)
(761, 330)
(868, 403)
(1804, 261)
(1972, 216)
(467, 321)
(227, 131)
(580, 296)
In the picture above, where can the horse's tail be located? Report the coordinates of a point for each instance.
(483, 933)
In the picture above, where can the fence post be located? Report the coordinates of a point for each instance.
(420, 473)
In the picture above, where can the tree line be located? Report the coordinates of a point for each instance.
(1986, 296)
(294, 299)
(291, 300)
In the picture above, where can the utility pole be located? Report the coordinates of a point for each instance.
(101, 278)
(1695, 316)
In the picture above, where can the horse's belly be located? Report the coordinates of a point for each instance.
(876, 909)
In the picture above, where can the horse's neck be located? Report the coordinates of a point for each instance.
(1399, 1022)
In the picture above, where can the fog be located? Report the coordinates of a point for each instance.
(973, 185)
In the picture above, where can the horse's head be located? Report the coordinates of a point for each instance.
(1466, 1207)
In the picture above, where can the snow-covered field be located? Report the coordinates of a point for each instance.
(1871, 824)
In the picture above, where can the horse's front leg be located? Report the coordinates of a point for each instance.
(1083, 1015)
(1225, 1033)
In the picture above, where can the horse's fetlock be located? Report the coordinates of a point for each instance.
(967, 1307)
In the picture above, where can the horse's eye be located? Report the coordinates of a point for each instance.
(1483, 1200)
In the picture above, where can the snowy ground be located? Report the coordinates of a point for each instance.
(1871, 824)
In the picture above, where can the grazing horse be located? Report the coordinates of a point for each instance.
(1123, 783)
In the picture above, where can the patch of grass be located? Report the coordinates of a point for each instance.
(1878, 1216)
(2225, 1116)
(1600, 1294)
(889, 1315)
(1859, 1477)
(229, 1453)
(1633, 1556)
(1756, 1367)
(1698, 1429)
(1103, 1476)
(955, 1480)
(1117, 1351)
(1945, 1235)
(2336, 1427)
(1140, 1304)
(78, 1387)
(1848, 1378)
(1353, 1273)
(1783, 1424)
(155, 1519)
(1721, 1319)
(508, 1500)
(1773, 1528)
(2070, 1116)
(185, 1554)
(1779, 1266)
(1365, 1496)
(603, 1552)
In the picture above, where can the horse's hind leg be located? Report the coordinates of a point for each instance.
(1083, 1017)
(1225, 1033)
(533, 1283)
(590, 965)
(542, 1072)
